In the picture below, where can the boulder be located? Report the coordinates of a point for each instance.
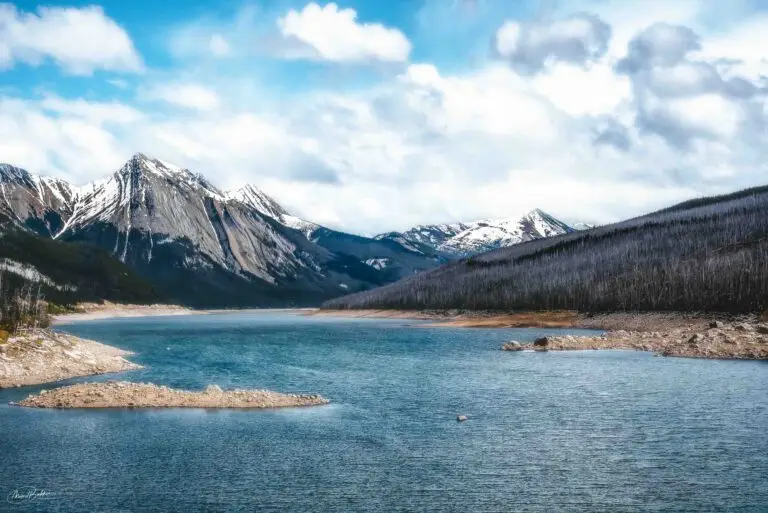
(461, 418)
(743, 327)
(762, 329)
(715, 324)
(512, 345)
(541, 342)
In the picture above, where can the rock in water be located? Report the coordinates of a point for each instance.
(512, 345)
(461, 418)
(541, 344)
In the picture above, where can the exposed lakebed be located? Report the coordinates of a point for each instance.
(558, 431)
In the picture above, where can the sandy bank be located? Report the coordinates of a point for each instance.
(43, 356)
(720, 340)
(144, 395)
(553, 319)
(465, 319)
(107, 310)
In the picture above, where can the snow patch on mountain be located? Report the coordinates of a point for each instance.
(378, 263)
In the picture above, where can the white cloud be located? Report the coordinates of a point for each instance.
(580, 91)
(79, 40)
(188, 96)
(530, 46)
(333, 34)
(580, 140)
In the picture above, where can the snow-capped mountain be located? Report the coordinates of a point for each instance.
(201, 245)
(463, 239)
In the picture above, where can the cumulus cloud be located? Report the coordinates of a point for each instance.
(80, 40)
(425, 147)
(581, 133)
(681, 97)
(661, 44)
(332, 34)
(530, 46)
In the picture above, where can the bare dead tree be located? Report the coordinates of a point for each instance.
(710, 254)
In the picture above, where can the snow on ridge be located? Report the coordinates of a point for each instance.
(482, 234)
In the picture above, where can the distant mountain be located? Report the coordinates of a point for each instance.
(706, 254)
(199, 245)
(464, 239)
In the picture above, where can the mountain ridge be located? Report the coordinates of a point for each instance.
(207, 247)
(467, 238)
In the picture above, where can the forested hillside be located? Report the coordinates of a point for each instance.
(704, 254)
(65, 273)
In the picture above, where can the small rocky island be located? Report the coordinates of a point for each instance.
(720, 340)
(124, 394)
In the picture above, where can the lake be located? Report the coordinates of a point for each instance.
(611, 431)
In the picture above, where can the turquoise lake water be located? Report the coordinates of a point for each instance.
(611, 431)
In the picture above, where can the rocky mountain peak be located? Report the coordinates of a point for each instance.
(14, 175)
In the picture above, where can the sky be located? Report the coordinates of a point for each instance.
(377, 115)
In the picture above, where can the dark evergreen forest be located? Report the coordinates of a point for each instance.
(704, 254)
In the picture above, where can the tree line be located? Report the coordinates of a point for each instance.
(707, 254)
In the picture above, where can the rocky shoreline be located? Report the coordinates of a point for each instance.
(42, 356)
(718, 340)
(124, 394)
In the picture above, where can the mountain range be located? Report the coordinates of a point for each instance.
(201, 246)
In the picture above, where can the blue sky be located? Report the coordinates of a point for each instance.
(371, 115)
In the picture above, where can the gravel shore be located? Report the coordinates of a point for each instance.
(716, 340)
(145, 395)
(108, 310)
(43, 356)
